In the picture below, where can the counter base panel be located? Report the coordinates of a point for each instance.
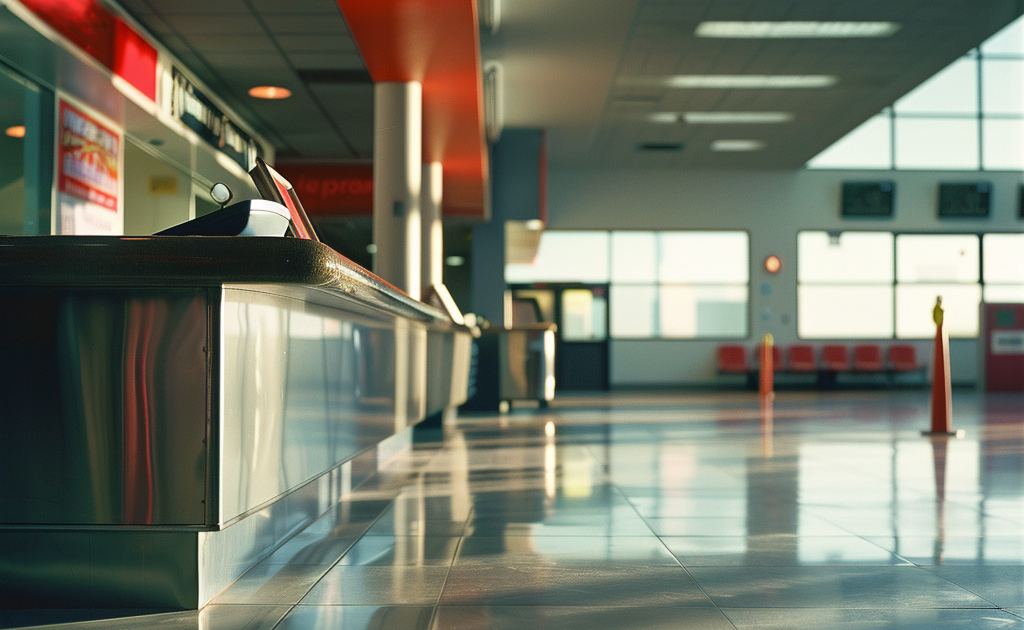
(173, 568)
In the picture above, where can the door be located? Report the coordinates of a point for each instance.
(581, 341)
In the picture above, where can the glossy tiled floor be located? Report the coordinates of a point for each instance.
(664, 511)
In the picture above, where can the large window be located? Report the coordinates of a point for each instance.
(879, 285)
(565, 257)
(845, 285)
(969, 116)
(1003, 263)
(679, 285)
(933, 265)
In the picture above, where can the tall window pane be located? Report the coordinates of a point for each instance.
(1009, 41)
(565, 256)
(633, 310)
(867, 146)
(849, 257)
(704, 257)
(937, 258)
(844, 312)
(702, 311)
(1003, 144)
(634, 257)
(583, 315)
(1001, 86)
(937, 143)
(1003, 258)
(914, 304)
(953, 90)
(1004, 293)
(22, 168)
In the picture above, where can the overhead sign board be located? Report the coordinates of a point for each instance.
(198, 112)
(332, 189)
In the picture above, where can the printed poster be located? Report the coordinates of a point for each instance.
(88, 174)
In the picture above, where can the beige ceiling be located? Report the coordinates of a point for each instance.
(572, 68)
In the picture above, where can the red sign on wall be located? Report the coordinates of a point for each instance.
(328, 190)
(105, 36)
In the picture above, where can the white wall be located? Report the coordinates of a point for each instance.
(773, 206)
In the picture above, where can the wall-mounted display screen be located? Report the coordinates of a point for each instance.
(868, 199)
(964, 200)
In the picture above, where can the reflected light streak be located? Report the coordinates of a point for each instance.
(550, 462)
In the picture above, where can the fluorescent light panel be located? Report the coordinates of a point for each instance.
(716, 118)
(750, 81)
(787, 30)
(725, 118)
(737, 145)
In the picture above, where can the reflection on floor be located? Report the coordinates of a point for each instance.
(662, 511)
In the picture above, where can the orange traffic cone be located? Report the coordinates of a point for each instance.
(942, 396)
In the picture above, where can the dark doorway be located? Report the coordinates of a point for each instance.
(581, 342)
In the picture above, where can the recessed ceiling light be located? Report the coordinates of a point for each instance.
(455, 261)
(737, 145)
(750, 81)
(780, 30)
(17, 131)
(725, 118)
(269, 92)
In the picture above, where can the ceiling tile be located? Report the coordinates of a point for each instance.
(326, 61)
(298, 114)
(249, 64)
(215, 24)
(307, 24)
(241, 43)
(319, 145)
(270, 7)
(316, 43)
(202, 7)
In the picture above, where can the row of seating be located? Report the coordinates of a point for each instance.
(834, 358)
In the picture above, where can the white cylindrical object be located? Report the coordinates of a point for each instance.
(433, 232)
(397, 172)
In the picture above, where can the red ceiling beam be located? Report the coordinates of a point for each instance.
(435, 42)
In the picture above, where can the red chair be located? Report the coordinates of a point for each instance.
(800, 358)
(732, 360)
(835, 359)
(903, 358)
(868, 358)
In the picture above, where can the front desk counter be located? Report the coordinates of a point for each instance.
(176, 407)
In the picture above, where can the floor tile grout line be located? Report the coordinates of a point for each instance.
(681, 565)
(451, 565)
(291, 608)
(334, 564)
(960, 586)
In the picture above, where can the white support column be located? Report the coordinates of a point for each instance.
(433, 232)
(397, 171)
